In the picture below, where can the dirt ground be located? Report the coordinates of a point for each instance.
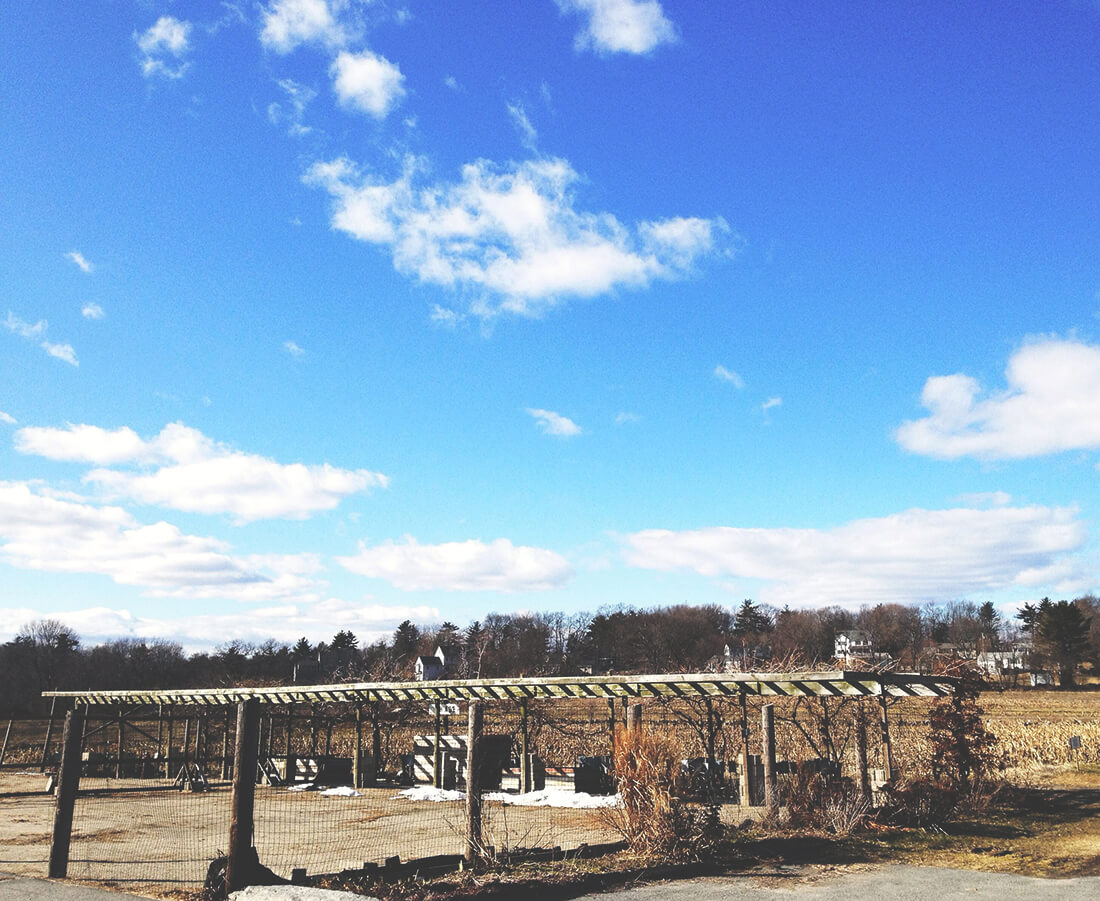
(146, 836)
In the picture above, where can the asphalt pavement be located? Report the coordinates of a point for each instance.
(25, 888)
(886, 883)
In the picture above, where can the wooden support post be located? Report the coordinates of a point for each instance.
(376, 742)
(437, 751)
(186, 741)
(887, 749)
(244, 795)
(49, 735)
(290, 764)
(68, 782)
(743, 776)
(121, 741)
(328, 736)
(633, 717)
(861, 752)
(611, 727)
(313, 731)
(160, 730)
(168, 774)
(767, 726)
(825, 731)
(712, 758)
(357, 754)
(474, 844)
(4, 749)
(225, 746)
(524, 750)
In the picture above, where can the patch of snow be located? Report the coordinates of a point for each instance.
(304, 787)
(550, 797)
(292, 893)
(341, 791)
(427, 793)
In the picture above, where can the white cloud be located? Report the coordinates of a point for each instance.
(92, 310)
(728, 375)
(288, 24)
(554, 423)
(78, 258)
(621, 26)
(284, 622)
(298, 97)
(527, 133)
(62, 352)
(36, 331)
(194, 474)
(771, 403)
(163, 46)
(293, 349)
(451, 82)
(512, 233)
(461, 566)
(914, 556)
(108, 541)
(625, 417)
(367, 83)
(7, 418)
(1051, 404)
(986, 499)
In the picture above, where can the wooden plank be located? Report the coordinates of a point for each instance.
(68, 783)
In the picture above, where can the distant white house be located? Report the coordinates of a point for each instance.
(852, 645)
(436, 665)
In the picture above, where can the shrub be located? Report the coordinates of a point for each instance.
(652, 820)
(927, 803)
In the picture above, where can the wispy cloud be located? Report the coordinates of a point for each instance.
(7, 418)
(92, 310)
(625, 417)
(298, 97)
(915, 556)
(1051, 404)
(554, 423)
(163, 46)
(77, 257)
(158, 557)
(293, 349)
(728, 375)
(512, 234)
(528, 135)
(461, 566)
(184, 470)
(367, 83)
(620, 26)
(771, 403)
(37, 332)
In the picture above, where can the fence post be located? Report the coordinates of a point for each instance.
(49, 735)
(887, 750)
(767, 723)
(357, 757)
(861, 752)
(290, 764)
(524, 750)
(68, 781)
(121, 740)
(437, 751)
(743, 776)
(4, 749)
(474, 846)
(225, 746)
(244, 794)
(168, 774)
(633, 717)
(611, 726)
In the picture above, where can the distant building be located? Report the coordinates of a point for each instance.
(445, 663)
(853, 645)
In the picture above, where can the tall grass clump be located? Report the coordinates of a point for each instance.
(653, 821)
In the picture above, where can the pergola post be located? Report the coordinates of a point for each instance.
(887, 749)
(861, 752)
(634, 717)
(743, 776)
(474, 844)
(244, 795)
(524, 750)
(357, 755)
(49, 735)
(771, 789)
(68, 782)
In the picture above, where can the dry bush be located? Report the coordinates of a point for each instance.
(652, 820)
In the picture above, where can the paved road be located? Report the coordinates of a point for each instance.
(24, 888)
(888, 883)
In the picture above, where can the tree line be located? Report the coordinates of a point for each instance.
(1063, 636)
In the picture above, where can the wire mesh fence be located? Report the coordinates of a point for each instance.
(341, 786)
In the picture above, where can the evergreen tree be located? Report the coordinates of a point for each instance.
(751, 619)
(1062, 630)
(406, 642)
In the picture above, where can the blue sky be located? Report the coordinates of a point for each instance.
(322, 314)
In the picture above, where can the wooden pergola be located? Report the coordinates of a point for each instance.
(839, 683)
